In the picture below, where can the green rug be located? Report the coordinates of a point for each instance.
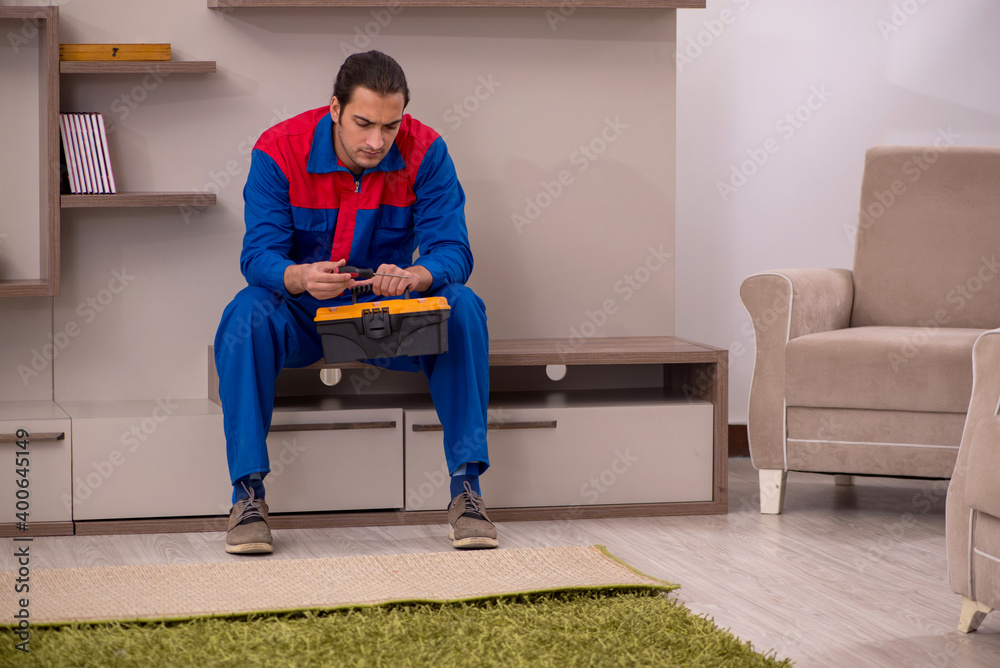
(576, 628)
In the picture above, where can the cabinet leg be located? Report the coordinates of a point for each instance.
(973, 614)
(772, 490)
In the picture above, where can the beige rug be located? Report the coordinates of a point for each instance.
(242, 585)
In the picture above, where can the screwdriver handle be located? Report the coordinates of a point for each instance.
(362, 273)
(355, 272)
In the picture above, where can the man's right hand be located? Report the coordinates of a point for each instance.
(317, 279)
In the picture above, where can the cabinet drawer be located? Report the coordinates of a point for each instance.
(335, 460)
(49, 458)
(149, 460)
(569, 456)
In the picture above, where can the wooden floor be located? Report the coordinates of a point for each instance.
(842, 578)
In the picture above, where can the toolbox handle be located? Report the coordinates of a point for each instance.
(333, 426)
(527, 424)
(34, 438)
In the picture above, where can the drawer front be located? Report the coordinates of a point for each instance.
(49, 460)
(574, 456)
(153, 466)
(335, 460)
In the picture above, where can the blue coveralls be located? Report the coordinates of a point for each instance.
(297, 195)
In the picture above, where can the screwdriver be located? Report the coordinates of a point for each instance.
(362, 273)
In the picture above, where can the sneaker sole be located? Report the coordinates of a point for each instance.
(250, 548)
(472, 542)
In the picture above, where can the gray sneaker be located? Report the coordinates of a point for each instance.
(470, 528)
(248, 531)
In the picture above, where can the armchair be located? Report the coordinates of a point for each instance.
(972, 509)
(869, 371)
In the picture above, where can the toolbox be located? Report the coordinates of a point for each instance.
(388, 328)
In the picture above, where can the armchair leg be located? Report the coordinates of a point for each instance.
(843, 480)
(973, 614)
(772, 491)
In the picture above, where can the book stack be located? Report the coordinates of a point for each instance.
(85, 154)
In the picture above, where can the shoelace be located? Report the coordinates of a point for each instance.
(252, 511)
(474, 505)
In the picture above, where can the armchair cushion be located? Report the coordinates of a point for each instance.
(982, 486)
(882, 368)
(927, 238)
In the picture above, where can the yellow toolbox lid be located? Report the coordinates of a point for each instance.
(395, 306)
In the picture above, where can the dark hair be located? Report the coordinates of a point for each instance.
(373, 70)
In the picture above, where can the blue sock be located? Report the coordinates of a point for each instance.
(466, 473)
(254, 481)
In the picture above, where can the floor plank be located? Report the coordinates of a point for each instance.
(846, 576)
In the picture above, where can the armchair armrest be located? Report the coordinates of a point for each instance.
(985, 383)
(783, 305)
(983, 408)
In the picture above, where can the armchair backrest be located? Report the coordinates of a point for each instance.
(928, 238)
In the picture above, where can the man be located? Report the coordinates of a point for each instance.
(356, 183)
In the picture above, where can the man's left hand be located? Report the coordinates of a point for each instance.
(417, 279)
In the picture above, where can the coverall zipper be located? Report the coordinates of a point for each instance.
(343, 237)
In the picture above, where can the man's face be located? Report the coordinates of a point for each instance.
(366, 127)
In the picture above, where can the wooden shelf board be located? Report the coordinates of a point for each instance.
(25, 288)
(615, 4)
(509, 400)
(137, 67)
(608, 350)
(28, 12)
(139, 199)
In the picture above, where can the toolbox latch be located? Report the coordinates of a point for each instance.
(376, 322)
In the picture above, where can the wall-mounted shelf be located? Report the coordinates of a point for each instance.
(25, 288)
(618, 4)
(46, 21)
(139, 199)
(137, 67)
